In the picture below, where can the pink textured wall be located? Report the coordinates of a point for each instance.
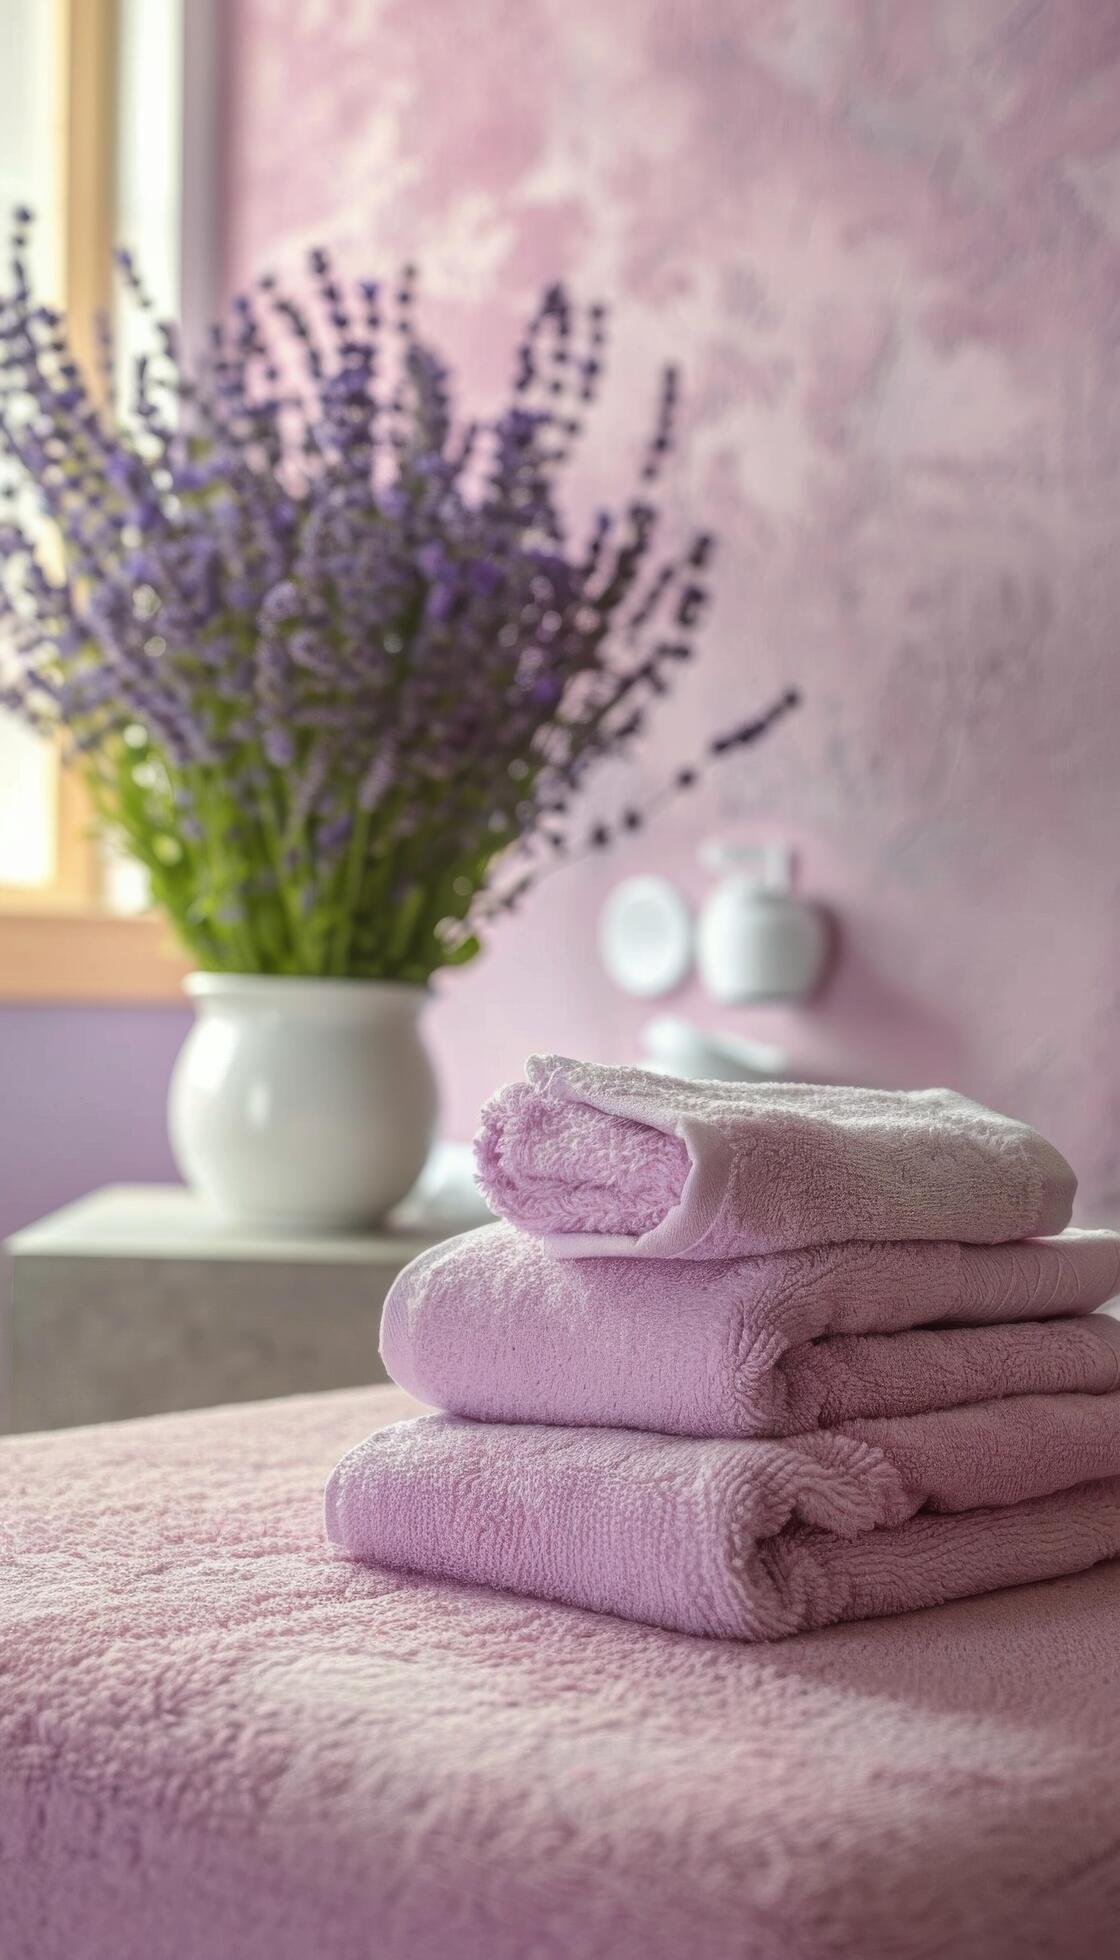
(885, 242)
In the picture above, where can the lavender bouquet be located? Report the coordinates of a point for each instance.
(334, 670)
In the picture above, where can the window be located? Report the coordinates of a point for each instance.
(31, 159)
(106, 132)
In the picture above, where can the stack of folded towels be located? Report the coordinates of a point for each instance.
(745, 1360)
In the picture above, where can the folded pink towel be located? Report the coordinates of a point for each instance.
(749, 1540)
(614, 1160)
(492, 1325)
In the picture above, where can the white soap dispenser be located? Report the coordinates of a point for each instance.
(756, 940)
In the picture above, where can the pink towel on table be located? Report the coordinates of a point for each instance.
(749, 1540)
(610, 1160)
(492, 1325)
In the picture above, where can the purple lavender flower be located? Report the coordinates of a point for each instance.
(330, 660)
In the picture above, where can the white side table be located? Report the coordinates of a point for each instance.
(137, 1300)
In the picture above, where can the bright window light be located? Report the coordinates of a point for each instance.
(29, 175)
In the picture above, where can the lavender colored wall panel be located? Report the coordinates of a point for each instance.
(885, 243)
(82, 1100)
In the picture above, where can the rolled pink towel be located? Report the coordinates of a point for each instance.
(491, 1325)
(749, 1540)
(603, 1160)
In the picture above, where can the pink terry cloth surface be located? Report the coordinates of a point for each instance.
(220, 1738)
(492, 1325)
(745, 1540)
(609, 1160)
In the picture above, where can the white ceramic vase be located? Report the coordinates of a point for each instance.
(302, 1104)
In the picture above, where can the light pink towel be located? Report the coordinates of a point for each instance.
(613, 1160)
(492, 1325)
(749, 1540)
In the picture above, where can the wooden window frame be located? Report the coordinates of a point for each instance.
(59, 943)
